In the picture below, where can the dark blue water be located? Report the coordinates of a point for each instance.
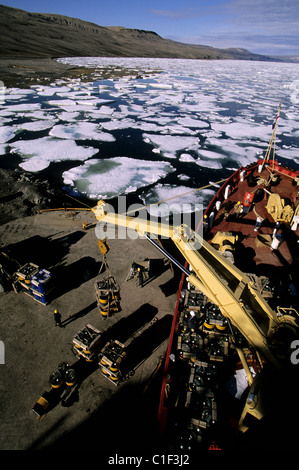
(219, 93)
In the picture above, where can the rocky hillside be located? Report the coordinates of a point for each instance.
(36, 35)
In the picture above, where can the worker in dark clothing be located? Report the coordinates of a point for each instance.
(140, 277)
(192, 322)
(57, 318)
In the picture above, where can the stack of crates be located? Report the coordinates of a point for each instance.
(111, 361)
(35, 282)
(42, 284)
(87, 342)
(24, 275)
(108, 296)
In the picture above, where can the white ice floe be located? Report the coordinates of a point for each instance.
(23, 91)
(37, 125)
(241, 151)
(178, 130)
(80, 108)
(39, 153)
(23, 107)
(149, 127)
(72, 106)
(106, 110)
(6, 133)
(169, 145)
(289, 153)
(161, 85)
(87, 101)
(127, 123)
(11, 97)
(45, 91)
(183, 177)
(191, 122)
(186, 157)
(212, 164)
(41, 115)
(166, 199)
(19, 92)
(61, 103)
(55, 89)
(243, 129)
(3, 148)
(81, 131)
(114, 124)
(68, 116)
(6, 115)
(111, 177)
(209, 154)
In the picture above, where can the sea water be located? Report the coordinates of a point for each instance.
(161, 129)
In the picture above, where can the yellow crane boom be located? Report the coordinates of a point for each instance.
(222, 282)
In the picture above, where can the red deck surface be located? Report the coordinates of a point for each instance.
(256, 253)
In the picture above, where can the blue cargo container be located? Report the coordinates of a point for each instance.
(41, 281)
(41, 298)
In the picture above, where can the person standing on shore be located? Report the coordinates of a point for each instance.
(57, 318)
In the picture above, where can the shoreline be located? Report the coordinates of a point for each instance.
(23, 194)
(24, 72)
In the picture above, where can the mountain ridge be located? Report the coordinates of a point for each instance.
(49, 35)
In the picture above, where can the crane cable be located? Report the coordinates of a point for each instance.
(161, 201)
(175, 197)
(80, 202)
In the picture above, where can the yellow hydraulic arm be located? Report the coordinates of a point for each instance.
(222, 282)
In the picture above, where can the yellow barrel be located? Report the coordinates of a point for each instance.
(70, 377)
(115, 379)
(103, 299)
(56, 379)
(43, 402)
(90, 359)
(208, 326)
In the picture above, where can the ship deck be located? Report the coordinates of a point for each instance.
(253, 252)
(181, 410)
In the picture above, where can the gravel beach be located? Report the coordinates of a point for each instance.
(15, 72)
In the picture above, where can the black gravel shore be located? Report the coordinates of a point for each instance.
(23, 194)
(21, 73)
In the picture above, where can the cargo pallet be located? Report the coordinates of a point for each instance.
(87, 342)
(108, 296)
(111, 361)
(35, 282)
